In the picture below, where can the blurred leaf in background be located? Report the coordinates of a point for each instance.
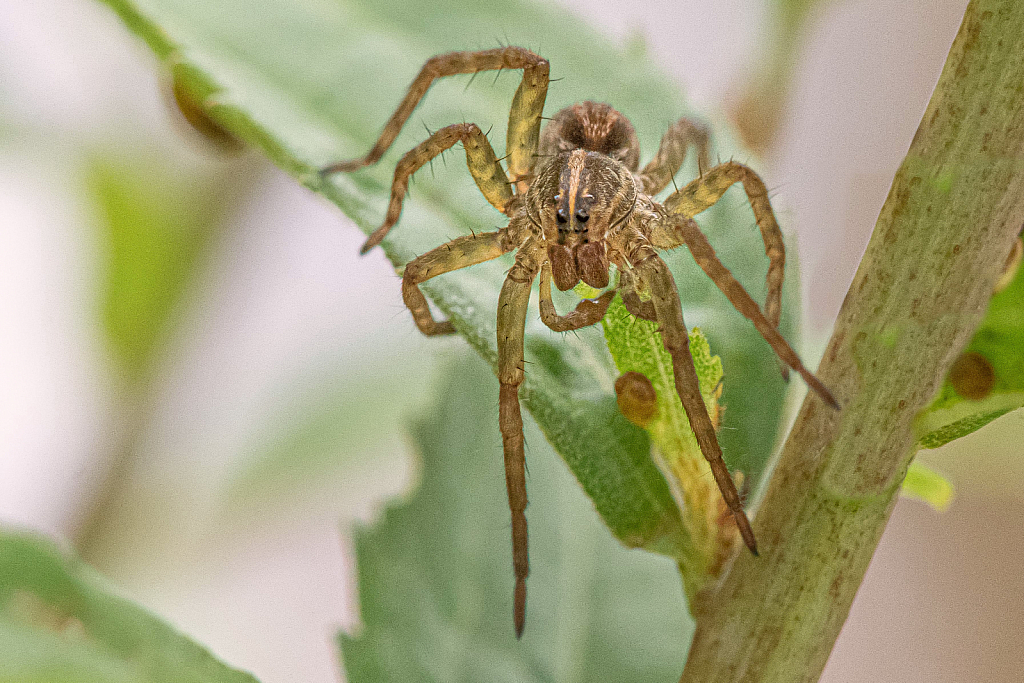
(928, 486)
(60, 622)
(759, 105)
(158, 219)
(314, 446)
(435, 573)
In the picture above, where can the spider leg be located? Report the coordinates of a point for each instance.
(512, 303)
(674, 336)
(657, 174)
(688, 232)
(632, 301)
(708, 189)
(480, 157)
(461, 252)
(526, 107)
(586, 313)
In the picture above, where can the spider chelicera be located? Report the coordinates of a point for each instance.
(576, 204)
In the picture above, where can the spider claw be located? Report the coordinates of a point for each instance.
(343, 167)
(743, 524)
(375, 238)
(831, 400)
(519, 606)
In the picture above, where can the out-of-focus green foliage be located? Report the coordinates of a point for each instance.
(60, 623)
(157, 217)
(312, 84)
(156, 222)
(435, 573)
(921, 483)
(319, 438)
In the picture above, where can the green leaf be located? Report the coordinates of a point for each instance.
(924, 484)
(636, 346)
(59, 622)
(435, 573)
(997, 352)
(310, 84)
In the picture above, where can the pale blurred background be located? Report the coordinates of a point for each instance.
(284, 319)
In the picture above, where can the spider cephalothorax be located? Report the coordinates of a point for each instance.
(578, 198)
(577, 204)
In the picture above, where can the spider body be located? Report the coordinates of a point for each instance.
(577, 204)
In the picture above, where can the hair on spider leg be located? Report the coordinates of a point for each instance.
(565, 333)
(774, 190)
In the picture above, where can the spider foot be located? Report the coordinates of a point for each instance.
(519, 606)
(831, 400)
(343, 167)
(375, 238)
(743, 524)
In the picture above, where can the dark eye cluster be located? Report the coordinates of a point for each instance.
(562, 216)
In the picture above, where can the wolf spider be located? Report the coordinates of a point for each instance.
(577, 204)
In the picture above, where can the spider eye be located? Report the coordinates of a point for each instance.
(561, 217)
(582, 216)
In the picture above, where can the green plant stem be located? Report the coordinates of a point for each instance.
(952, 214)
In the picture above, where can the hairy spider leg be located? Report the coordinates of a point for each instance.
(512, 303)
(587, 312)
(632, 301)
(480, 158)
(674, 336)
(658, 173)
(461, 252)
(523, 120)
(688, 232)
(705, 191)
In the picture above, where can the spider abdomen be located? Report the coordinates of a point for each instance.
(594, 127)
